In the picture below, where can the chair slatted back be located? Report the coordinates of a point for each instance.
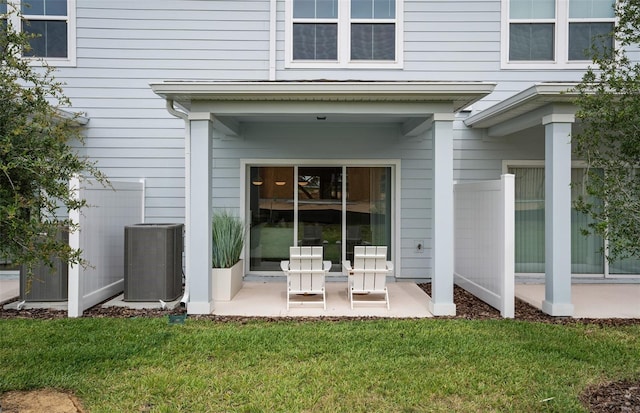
(305, 268)
(369, 268)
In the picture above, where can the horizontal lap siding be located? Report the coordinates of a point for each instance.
(416, 207)
(122, 46)
(299, 142)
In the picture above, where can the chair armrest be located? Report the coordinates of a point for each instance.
(284, 265)
(326, 265)
(389, 265)
(346, 267)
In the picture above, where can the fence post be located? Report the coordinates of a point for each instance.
(76, 289)
(508, 250)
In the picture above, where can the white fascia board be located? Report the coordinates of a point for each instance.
(529, 99)
(462, 94)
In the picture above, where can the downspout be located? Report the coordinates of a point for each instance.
(187, 189)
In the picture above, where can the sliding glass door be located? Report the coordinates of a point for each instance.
(337, 207)
(587, 256)
(368, 208)
(319, 209)
(586, 251)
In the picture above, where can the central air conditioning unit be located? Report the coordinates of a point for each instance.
(153, 262)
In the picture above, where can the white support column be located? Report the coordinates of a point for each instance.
(198, 231)
(557, 228)
(443, 227)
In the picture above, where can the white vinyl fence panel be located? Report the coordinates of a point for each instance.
(484, 241)
(101, 239)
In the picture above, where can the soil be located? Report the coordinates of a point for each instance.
(621, 396)
(39, 401)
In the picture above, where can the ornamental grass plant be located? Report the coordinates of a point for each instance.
(228, 238)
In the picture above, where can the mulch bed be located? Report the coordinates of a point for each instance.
(623, 397)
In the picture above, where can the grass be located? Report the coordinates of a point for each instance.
(119, 365)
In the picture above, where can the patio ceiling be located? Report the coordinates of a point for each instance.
(408, 104)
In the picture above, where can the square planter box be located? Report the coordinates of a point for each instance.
(227, 281)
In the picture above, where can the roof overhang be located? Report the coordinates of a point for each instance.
(460, 94)
(526, 109)
(411, 105)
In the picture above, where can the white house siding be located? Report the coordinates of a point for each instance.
(299, 142)
(123, 45)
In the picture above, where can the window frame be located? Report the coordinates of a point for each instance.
(561, 39)
(70, 19)
(344, 22)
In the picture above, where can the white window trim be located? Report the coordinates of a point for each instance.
(344, 40)
(561, 40)
(70, 18)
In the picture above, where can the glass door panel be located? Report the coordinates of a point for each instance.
(529, 219)
(586, 250)
(320, 210)
(272, 216)
(625, 266)
(368, 208)
(305, 206)
(586, 255)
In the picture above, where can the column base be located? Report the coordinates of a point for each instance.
(442, 309)
(557, 309)
(198, 307)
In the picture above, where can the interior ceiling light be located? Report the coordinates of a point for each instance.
(257, 181)
(281, 183)
(321, 118)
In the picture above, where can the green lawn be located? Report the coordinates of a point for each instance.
(118, 365)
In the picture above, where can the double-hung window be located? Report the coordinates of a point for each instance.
(52, 26)
(344, 33)
(555, 33)
(3, 15)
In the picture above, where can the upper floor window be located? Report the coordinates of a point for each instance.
(52, 24)
(343, 33)
(554, 33)
(3, 13)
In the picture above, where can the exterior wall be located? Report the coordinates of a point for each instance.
(299, 142)
(125, 45)
(444, 40)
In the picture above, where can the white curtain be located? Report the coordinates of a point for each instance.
(586, 250)
(529, 220)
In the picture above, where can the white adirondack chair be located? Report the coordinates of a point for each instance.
(368, 274)
(305, 273)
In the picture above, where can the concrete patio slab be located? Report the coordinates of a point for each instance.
(9, 286)
(591, 300)
(268, 299)
(34, 305)
(139, 305)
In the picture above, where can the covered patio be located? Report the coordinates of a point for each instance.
(230, 119)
